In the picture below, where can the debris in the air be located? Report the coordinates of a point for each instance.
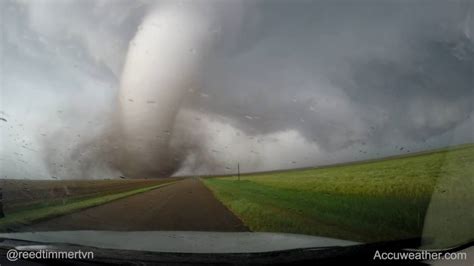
(3, 119)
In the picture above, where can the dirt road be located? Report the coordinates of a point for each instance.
(186, 205)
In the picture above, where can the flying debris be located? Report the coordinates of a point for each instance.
(3, 119)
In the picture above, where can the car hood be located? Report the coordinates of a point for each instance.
(181, 241)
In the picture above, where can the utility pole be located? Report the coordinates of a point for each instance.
(1, 203)
(238, 171)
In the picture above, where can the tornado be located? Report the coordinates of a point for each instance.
(163, 62)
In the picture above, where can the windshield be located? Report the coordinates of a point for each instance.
(338, 120)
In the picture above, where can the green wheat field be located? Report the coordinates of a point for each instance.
(377, 200)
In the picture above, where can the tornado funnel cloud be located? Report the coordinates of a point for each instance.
(162, 63)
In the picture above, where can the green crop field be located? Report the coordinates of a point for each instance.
(377, 200)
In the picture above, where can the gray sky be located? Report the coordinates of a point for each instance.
(272, 84)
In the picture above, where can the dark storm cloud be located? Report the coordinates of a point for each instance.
(341, 71)
(285, 84)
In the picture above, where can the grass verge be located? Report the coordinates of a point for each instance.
(34, 215)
